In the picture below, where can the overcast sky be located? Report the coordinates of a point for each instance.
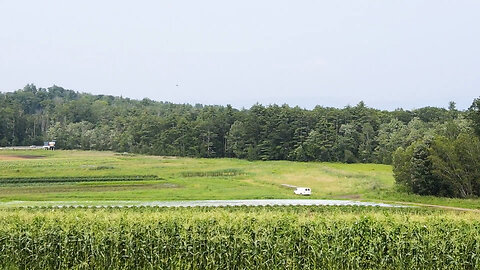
(388, 53)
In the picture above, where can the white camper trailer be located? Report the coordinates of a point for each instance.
(49, 145)
(303, 191)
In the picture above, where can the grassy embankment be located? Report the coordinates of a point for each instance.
(196, 179)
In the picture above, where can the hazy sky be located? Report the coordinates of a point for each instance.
(388, 53)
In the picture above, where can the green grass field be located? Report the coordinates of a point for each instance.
(195, 179)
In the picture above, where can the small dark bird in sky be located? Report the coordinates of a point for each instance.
(177, 85)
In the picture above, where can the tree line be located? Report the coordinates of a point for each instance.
(424, 145)
(100, 122)
(445, 162)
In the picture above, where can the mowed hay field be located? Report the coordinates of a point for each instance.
(182, 178)
(39, 175)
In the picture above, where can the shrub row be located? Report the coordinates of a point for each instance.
(217, 173)
(69, 179)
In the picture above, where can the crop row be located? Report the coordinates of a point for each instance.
(217, 173)
(236, 239)
(69, 179)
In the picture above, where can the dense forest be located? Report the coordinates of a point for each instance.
(84, 121)
(440, 141)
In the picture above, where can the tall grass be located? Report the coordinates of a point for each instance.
(239, 238)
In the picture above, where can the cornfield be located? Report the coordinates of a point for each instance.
(239, 238)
